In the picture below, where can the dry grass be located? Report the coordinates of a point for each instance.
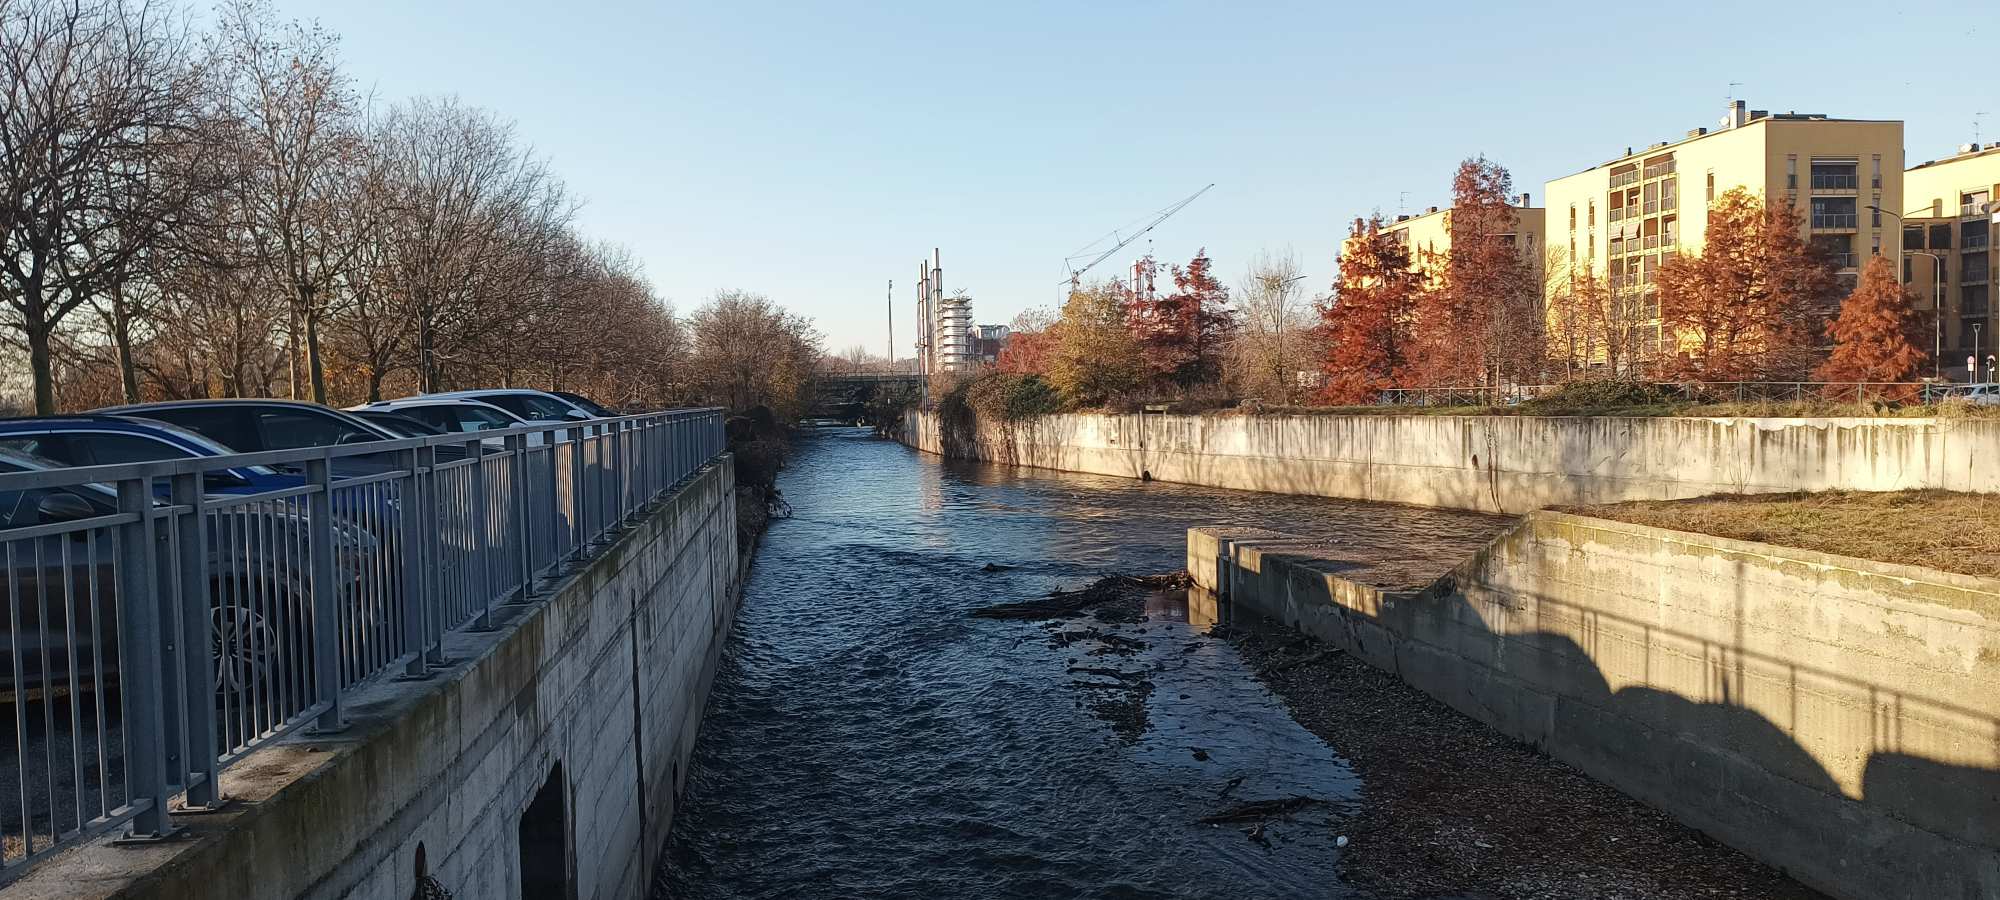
(1942, 530)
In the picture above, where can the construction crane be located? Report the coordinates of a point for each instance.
(1075, 278)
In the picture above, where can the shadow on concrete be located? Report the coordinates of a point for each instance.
(1913, 827)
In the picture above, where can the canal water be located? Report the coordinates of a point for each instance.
(868, 738)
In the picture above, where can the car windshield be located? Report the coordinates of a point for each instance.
(533, 407)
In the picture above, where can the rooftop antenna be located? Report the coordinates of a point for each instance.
(1402, 198)
(1732, 91)
(1977, 119)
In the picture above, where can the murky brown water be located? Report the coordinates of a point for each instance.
(866, 738)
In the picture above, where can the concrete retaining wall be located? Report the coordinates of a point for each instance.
(1509, 464)
(604, 682)
(1835, 717)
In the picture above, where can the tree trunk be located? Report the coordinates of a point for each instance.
(40, 361)
(121, 342)
(315, 365)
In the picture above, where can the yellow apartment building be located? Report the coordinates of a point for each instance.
(1949, 220)
(1623, 218)
(1428, 235)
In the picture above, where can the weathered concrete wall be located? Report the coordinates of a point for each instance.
(1835, 717)
(1509, 464)
(606, 679)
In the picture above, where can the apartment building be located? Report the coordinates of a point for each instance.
(1623, 218)
(1948, 224)
(1428, 235)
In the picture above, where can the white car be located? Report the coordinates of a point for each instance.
(528, 404)
(1977, 394)
(456, 415)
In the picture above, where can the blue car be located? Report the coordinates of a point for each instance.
(102, 440)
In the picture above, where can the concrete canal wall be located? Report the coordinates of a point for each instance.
(1508, 464)
(543, 762)
(1835, 717)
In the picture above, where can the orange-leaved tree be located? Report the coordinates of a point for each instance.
(1366, 323)
(1182, 335)
(1875, 337)
(1749, 306)
(1483, 322)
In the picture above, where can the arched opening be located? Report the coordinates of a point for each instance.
(544, 843)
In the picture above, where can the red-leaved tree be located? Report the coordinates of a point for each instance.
(1875, 338)
(1749, 306)
(1182, 335)
(1484, 321)
(1366, 323)
(1026, 350)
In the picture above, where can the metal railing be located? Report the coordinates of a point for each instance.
(162, 620)
(1835, 182)
(1834, 220)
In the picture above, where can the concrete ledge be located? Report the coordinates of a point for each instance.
(605, 679)
(1835, 717)
(1507, 464)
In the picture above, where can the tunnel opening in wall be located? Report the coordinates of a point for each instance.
(547, 870)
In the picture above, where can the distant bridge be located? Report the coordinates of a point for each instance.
(847, 396)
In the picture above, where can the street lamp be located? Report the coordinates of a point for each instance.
(1937, 301)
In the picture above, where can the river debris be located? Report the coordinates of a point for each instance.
(1229, 788)
(1111, 589)
(990, 568)
(1259, 810)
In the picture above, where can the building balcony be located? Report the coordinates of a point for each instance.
(1652, 242)
(1617, 214)
(1835, 182)
(1974, 210)
(1834, 221)
(1619, 181)
(1660, 170)
(1974, 242)
(1846, 260)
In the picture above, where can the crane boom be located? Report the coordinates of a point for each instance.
(1076, 274)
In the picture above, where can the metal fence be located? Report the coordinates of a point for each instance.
(160, 626)
(1691, 391)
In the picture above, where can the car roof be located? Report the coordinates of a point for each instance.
(475, 393)
(429, 400)
(141, 409)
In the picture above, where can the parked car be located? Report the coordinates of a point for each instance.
(455, 415)
(102, 440)
(586, 404)
(99, 440)
(400, 424)
(530, 405)
(1976, 394)
(251, 426)
(62, 588)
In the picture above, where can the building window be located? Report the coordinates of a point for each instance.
(1876, 181)
(1572, 217)
(1592, 246)
(1711, 185)
(1875, 213)
(1907, 276)
(1876, 250)
(1791, 173)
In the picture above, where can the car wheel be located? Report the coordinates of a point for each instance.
(245, 648)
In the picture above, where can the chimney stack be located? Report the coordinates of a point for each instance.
(1737, 115)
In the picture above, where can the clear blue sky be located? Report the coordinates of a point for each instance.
(812, 152)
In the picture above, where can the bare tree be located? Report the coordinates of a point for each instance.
(1272, 347)
(91, 93)
(299, 116)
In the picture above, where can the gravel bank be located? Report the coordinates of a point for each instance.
(1451, 808)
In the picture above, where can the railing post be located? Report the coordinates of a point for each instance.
(140, 638)
(432, 612)
(482, 536)
(517, 456)
(328, 595)
(415, 537)
(578, 491)
(197, 655)
(614, 471)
